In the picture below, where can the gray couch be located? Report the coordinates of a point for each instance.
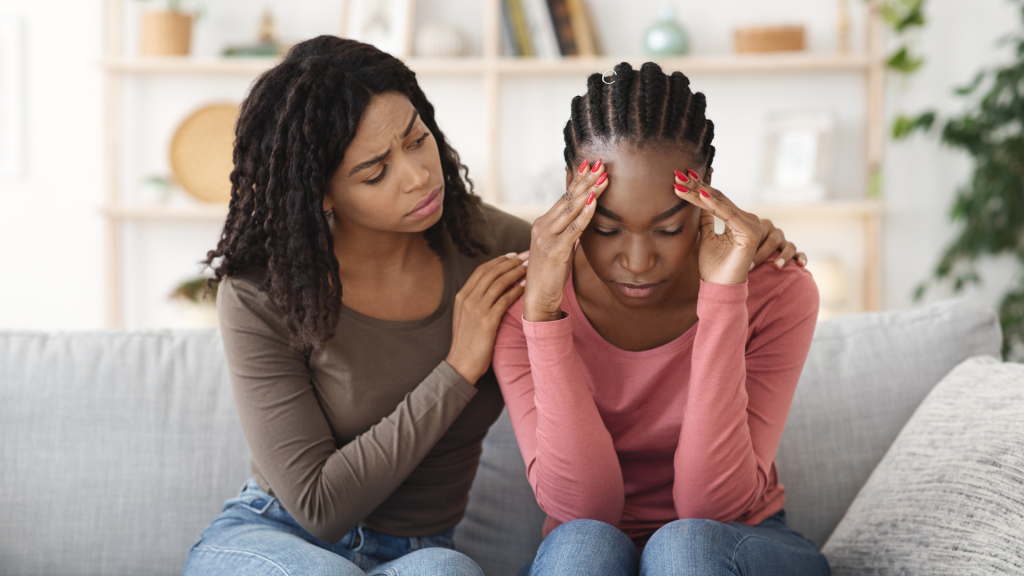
(116, 448)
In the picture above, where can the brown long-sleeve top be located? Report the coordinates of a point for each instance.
(377, 430)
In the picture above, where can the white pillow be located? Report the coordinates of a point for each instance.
(948, 497)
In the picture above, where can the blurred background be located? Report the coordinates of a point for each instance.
(116, 117)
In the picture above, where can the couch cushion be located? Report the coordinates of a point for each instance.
(864, 377)
(947, 497)
(116, 449)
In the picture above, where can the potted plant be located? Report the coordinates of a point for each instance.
(196, 304)
(166, 32)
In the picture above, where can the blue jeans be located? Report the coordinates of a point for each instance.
(256, 536)
(680, 548)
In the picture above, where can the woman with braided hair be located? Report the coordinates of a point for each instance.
(359, 300)
(650, 366)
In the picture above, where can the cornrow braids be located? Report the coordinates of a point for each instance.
(291, 136)
(640, 107)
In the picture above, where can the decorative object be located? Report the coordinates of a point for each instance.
(201, 152)
(12, 98)
(155, 190)
(769, 38)
(798, 157)
(166, 33)
(387, 24)
(196, 308)
(666, 37)
(843, 27)
(946, 498)
(266, 43)
(440, 41)
(990, 207)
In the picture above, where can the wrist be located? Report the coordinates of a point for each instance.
(460, 365)
(534, 313)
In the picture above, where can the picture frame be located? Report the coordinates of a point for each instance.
(12, 97)
(799, 156)
(386, 24)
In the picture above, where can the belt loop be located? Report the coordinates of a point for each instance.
(362, 539)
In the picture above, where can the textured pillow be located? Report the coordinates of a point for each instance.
(948, 497)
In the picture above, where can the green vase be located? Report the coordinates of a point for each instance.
(666, 37)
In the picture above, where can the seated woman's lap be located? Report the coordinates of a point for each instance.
(682, 547)
(255, 536)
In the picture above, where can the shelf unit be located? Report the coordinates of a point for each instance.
(491, 67)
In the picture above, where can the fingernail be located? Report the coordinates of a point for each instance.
(524, 256)
(780, 262)
(597, 166)
(751, 267)
(680, 187)
(590, 198)
(802, 261)
(704, 194)
(584, 165)
(601, 180)
(526, 262)
(510, 255)
(693, 174)
(523, 283)
(681, 176)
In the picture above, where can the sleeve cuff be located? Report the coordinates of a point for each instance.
(456, 381)
(722, 293)
(552, 330)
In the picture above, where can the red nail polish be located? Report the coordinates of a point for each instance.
(590, 198)
(597, 166)
(693, 174)
(704, 194)
(584, 165)
(681, 176)
(602, 179)
(680, 187)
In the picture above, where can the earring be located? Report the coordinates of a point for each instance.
(604, 77)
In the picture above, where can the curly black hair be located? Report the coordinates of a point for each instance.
(294, 127)
(640, 107)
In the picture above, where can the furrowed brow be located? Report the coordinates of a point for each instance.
(670, 212)
(607, 213)
(370, 162)
(415, 114)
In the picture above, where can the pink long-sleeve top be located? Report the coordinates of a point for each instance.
(686, 430)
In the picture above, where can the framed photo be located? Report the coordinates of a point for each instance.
(12, 97)
(799, 155)
(386, 24)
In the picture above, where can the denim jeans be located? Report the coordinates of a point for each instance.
(680, 548)
(256, 536)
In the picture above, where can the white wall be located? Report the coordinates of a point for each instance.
(51, 234)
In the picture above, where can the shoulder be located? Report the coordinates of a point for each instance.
(242, 305)
(499, 231)
(789, 292)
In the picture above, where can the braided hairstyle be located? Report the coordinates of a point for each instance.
(291, 136)
(640, 108)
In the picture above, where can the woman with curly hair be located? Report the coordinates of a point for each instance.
(359, 301)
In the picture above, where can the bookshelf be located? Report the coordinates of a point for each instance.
(492, 69)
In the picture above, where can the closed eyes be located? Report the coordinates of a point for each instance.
(661, 232)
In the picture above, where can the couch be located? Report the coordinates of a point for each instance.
(118, 447)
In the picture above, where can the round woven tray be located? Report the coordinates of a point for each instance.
(201, 152)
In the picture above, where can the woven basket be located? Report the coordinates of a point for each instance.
(201, 152)
(769, 38)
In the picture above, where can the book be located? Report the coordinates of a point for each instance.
(563, 27)
(542, 30)
(508, 37)
(581, 28)
(520, 32)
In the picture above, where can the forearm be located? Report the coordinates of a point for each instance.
(575, 470)
(328, 489)
(716, 472)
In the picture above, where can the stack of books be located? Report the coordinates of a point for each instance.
(547, 29)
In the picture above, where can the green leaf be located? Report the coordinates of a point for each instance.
(902, 61)
(904, 126)
(970, 88)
